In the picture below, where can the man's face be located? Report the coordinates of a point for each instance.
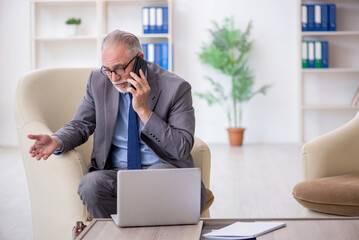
(114, 57)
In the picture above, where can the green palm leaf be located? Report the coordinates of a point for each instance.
(228, 52)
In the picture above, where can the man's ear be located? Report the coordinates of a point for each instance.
(141, 55)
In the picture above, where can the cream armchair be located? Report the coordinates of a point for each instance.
(45, 100)
(331, 172)
(332, 154)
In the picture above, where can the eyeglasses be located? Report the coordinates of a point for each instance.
(117, 71)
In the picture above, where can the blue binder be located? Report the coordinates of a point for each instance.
(145, 51)
(165, 19)
(159, 20)
(164, 55)
(318, 55)
(311, 54)
(158, 54)
(325, 17)
(145, 20)
(152, 19)
(304, 17)
(304, 54)
(317, 17)
(151, 52)
(325, 54)
(332, 17)
(310, 20)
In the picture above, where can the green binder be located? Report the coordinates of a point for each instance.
(318, 54)
(304, 54)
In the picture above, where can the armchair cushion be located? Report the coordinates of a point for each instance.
(335, 195)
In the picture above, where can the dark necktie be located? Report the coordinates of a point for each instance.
(133, 140)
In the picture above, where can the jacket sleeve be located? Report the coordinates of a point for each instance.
(172, 137)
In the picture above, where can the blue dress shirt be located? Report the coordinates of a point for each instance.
(119, 141)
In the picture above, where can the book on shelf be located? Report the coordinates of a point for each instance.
(164, 55)
(145, 20)
(325, 54)
(165, 19)
(159, 20)
(325, 17)
(355, 100)
(311, 54)
(156, 53)
(154, 20)
(332, 17)
(304, 54)
(318, 17)
(304, 18)
(150, 52)
(315, 54)
(310, 16)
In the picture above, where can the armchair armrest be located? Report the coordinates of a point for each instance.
(202, 159)
(334, 153)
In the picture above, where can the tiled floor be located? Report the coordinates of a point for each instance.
(253, 181)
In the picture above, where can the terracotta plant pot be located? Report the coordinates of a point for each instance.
(235, 136)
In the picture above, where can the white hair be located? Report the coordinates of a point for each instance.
(130, 41)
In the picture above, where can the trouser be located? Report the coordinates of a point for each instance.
(98, 191)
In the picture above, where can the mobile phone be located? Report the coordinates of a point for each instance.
(139, 64)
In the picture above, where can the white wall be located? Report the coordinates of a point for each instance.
(14, 61)
(270, 118)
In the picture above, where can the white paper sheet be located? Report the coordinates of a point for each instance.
(244, 230)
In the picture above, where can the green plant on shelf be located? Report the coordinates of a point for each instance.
(73, 21)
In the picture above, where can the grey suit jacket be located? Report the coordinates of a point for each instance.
(168, 133)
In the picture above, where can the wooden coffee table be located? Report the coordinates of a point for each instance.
(106, 229)
(297, 228)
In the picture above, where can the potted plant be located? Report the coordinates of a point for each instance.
(72, 26)
(228, 52)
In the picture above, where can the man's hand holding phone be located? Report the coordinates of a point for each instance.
(140, 94)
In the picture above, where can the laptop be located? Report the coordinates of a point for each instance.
(155, 197)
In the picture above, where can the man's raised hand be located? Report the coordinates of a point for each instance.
(44, 145)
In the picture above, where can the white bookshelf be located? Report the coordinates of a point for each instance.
(52, 47)
(328, 107)
(334, 33)
(326, 93)
(330, 70)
